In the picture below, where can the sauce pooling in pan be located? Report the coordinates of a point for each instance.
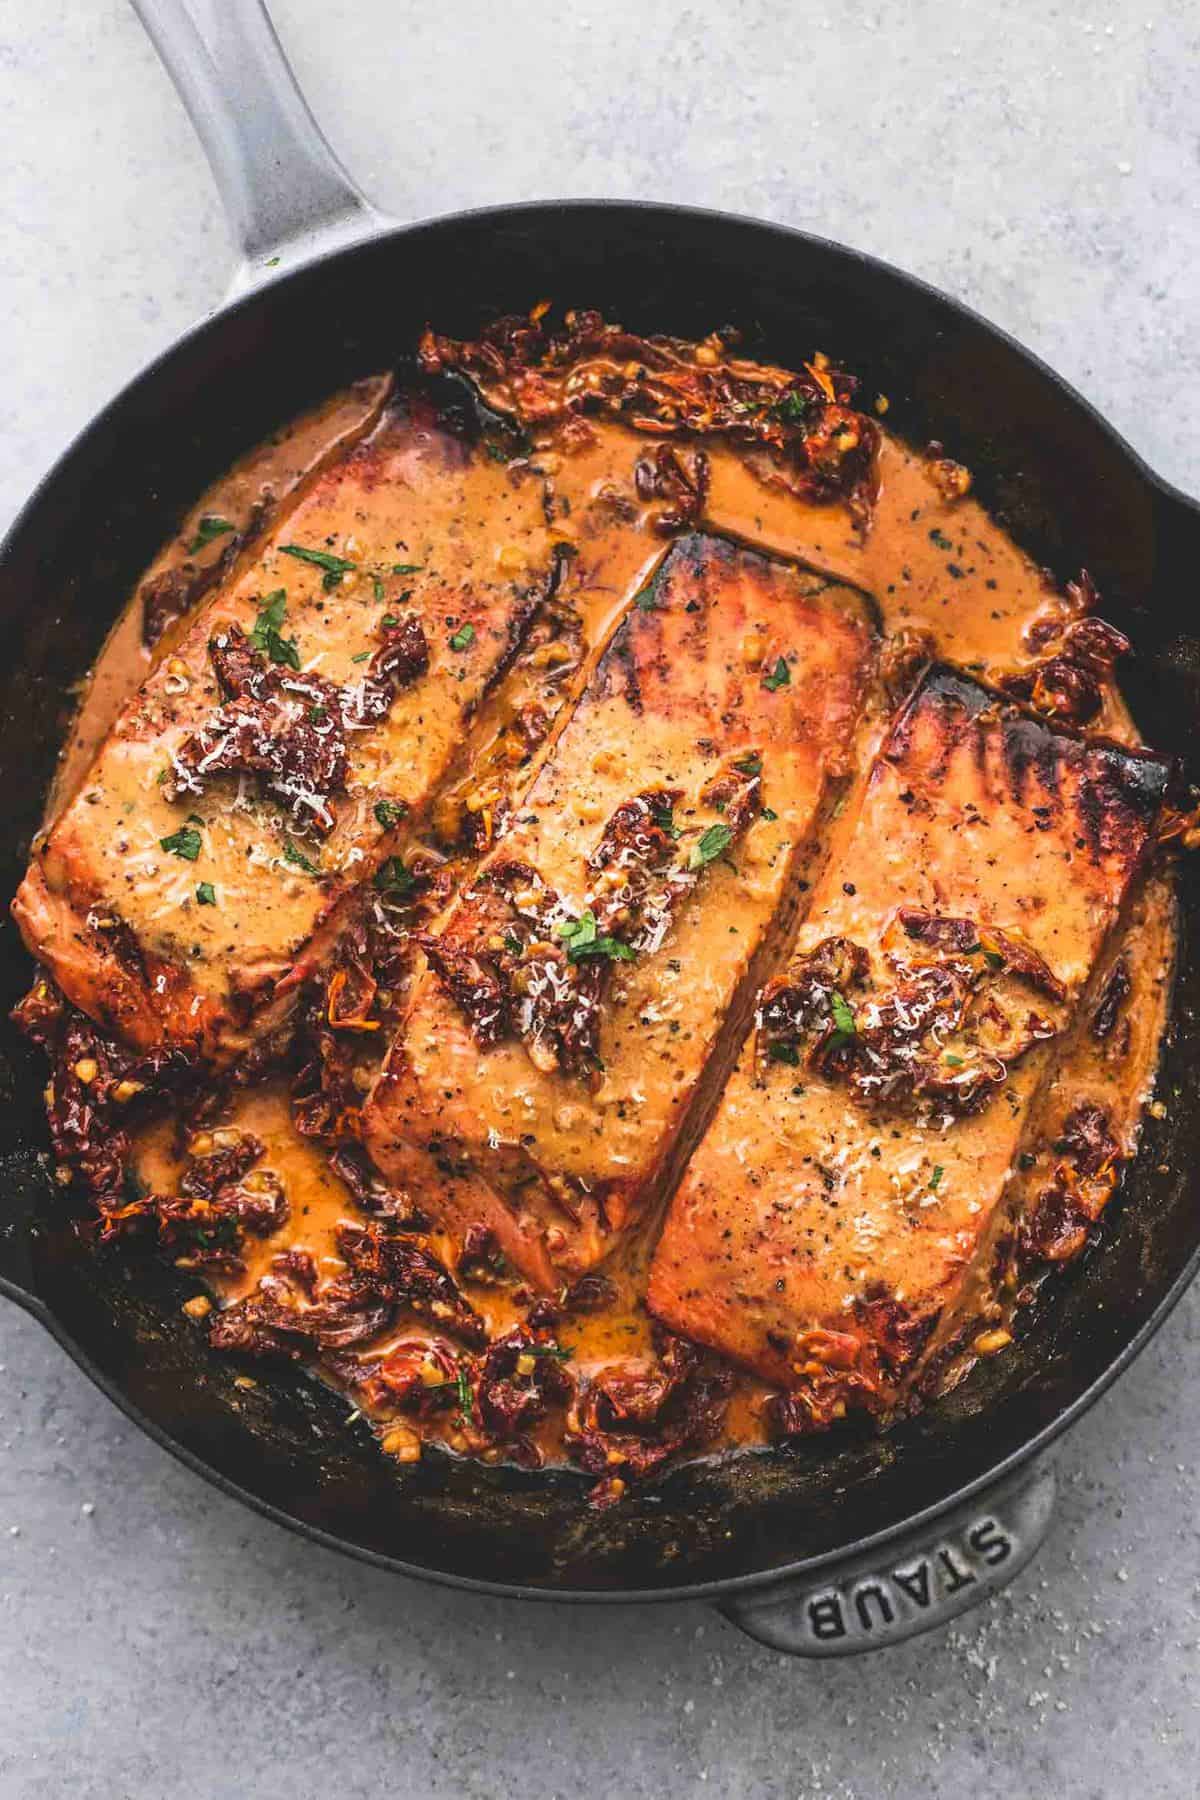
(598, 901)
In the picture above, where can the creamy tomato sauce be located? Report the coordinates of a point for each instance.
(944, 580)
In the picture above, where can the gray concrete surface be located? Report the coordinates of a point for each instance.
(1039, 160)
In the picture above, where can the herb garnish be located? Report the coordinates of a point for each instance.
(956, 1062)
(463, 638)
(662, 811)
(769, 813)
(750, 764)
(845, 1025)
(393, 879)
(780, 676)
(407, 568)
(794, 408)
(363, 656)
(210, 527)
(293, 854)
(935, 1180)
(513, 944)
(711, 845)
(206, 894)
(335, 567)
(992, 957)
(583, 938)
(266, 634)
(185, 842)
(646, 600)
(377, 587)
(463, 1385)
(389, 812)
(785, 1053)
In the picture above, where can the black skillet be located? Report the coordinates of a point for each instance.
(849, 1541)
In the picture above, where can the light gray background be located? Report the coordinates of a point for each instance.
(1039, 160)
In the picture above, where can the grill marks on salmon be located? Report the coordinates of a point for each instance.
(174, 920)
(837, 1227)
(591, 981)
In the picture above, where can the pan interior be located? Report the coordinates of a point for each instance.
(1057, 480)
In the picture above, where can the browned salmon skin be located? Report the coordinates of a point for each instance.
(576, 993)
(239, 794)
(839, 1217)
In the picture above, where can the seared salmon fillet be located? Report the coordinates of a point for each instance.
(838, 1222)
(315, 700)
(577, 990)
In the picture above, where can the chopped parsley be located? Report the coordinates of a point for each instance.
(935, 1180)
(712, 844)
(463, 1385)
(749, 765)
(266, 634)
(780, 676)
(463, 638)
(785, 1053)
(794, 408)
(206, 894)
(407, 568)
(335, 567)
(393, 879)
(647, 599)
(513, 944)
(845, 1025)
(662, 811)
(769, 813)
(377, 587)
(389, 812)
(363, 656)
(185, 842)
(210, 527)
(843, 1014)
(584, 938)
(956, 1062)
(293, 854)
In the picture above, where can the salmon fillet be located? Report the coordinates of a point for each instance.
(838, 1223)
(578, 989)
(315, 699)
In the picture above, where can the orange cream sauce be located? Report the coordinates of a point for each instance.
(930, 564)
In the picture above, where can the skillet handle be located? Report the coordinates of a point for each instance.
(909, 1587)
(286, 195)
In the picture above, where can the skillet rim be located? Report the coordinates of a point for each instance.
(544, 212)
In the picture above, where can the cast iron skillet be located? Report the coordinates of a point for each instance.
(850, 1540)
